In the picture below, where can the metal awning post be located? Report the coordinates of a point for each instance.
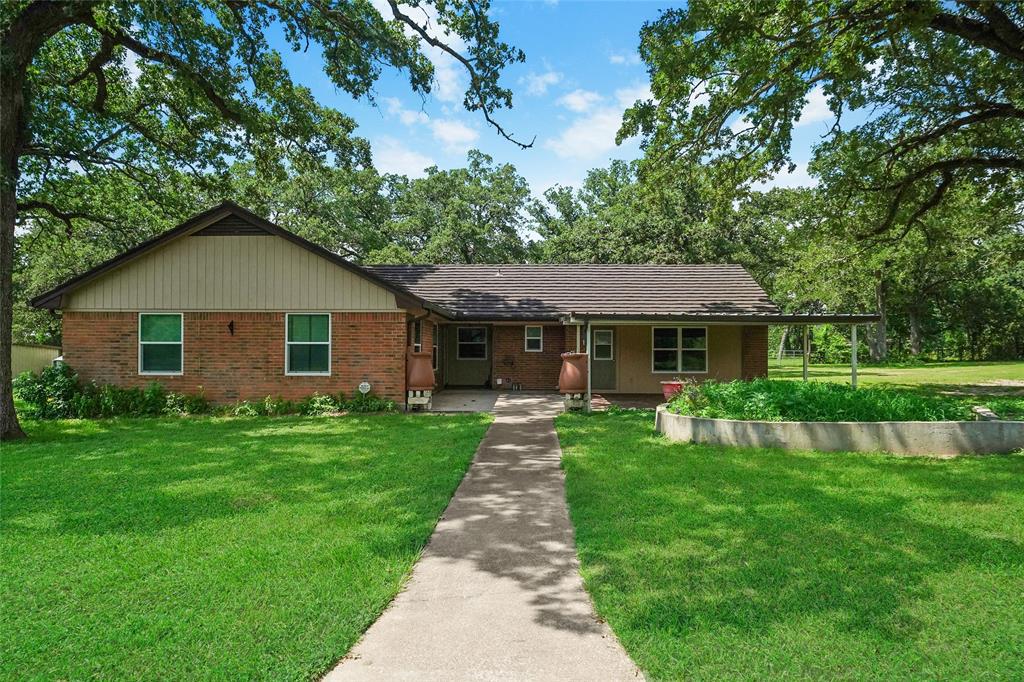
(807, 348)
(853, 355)
(589, 396)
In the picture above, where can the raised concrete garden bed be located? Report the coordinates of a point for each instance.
(907, 438)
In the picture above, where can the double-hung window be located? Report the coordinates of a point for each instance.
(679, 349)
(417, 336)
(160, 345)
(308, 343)
(534, 338)
(471, 343)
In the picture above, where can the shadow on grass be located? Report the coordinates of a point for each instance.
(730, 540)
(147, 475)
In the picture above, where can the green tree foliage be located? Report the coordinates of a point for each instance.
(464, 215)
(618, 218)
(944, 82)
(102, 102)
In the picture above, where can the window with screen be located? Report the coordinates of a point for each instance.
(160, 345)
(308, 344)
(534, 338)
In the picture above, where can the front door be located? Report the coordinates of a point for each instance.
(468, 355)
(603, 363)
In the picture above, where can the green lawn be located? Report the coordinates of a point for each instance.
(214, 548)
(715, 563)
(998, 385)
(983, 377)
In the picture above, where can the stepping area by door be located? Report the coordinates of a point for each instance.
(497, 593)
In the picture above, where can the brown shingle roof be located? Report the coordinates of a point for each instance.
(494, 292)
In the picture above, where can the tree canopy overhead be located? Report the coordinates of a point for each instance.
(103, 102)
(942, 84)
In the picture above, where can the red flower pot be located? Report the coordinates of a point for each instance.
(669, 389)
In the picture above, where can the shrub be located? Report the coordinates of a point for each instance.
(57, 393)
(181, 404)
(51, 394)
(319, 404)
(245, 409)
(369, 403)
(768, 400)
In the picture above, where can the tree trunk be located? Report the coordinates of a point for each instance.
(20, 42)
(782, 342)
(914, 322)
(12, 130)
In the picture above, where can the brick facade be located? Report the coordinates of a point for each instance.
(246, 365)
(755, 352)
(535, 371)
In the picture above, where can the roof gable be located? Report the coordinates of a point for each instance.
(226, 219)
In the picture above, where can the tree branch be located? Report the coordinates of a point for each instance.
(474, 77)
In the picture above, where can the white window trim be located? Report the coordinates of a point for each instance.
(458, 344)
(417, 332)
(181, 328)
(526, 338)
(611, 345)
(435, 351)
(679, 349)
(330, 336)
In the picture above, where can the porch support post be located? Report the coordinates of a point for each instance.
(590, 397)
(577, 338)
(853, 355)
(807, 348)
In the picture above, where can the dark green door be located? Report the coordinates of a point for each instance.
(603, 362)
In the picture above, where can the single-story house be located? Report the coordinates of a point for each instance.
(239, 307)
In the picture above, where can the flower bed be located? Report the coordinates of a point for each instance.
(777, 401)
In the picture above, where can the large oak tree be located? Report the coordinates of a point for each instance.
(105, 104)
(939, 85)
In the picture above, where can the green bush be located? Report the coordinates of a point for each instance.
(768, 400)
(58, 393)
(369, 403)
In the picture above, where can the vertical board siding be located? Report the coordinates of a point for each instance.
(29, 358)
(231, 273)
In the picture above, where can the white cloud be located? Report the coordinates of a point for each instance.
(454, 135)
(591, 136)
(798, 178)
(588, 137)
(391, 156)
(631, 58)
(579, 100)
(626, 97)
(816, 109)
(406, 116)
(538, 83)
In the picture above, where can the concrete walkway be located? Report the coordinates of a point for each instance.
(497, 594)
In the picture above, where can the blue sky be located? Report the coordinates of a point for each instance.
(582, 70)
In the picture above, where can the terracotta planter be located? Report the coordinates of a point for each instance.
(419, 372)
(573, 376)
(670, 388)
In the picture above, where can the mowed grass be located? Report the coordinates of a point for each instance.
(719, 563)
(980, 376)
(997, 385)
(214, 548)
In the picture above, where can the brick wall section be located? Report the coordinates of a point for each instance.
(535, 371)
(755, 352)
(248, 365)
